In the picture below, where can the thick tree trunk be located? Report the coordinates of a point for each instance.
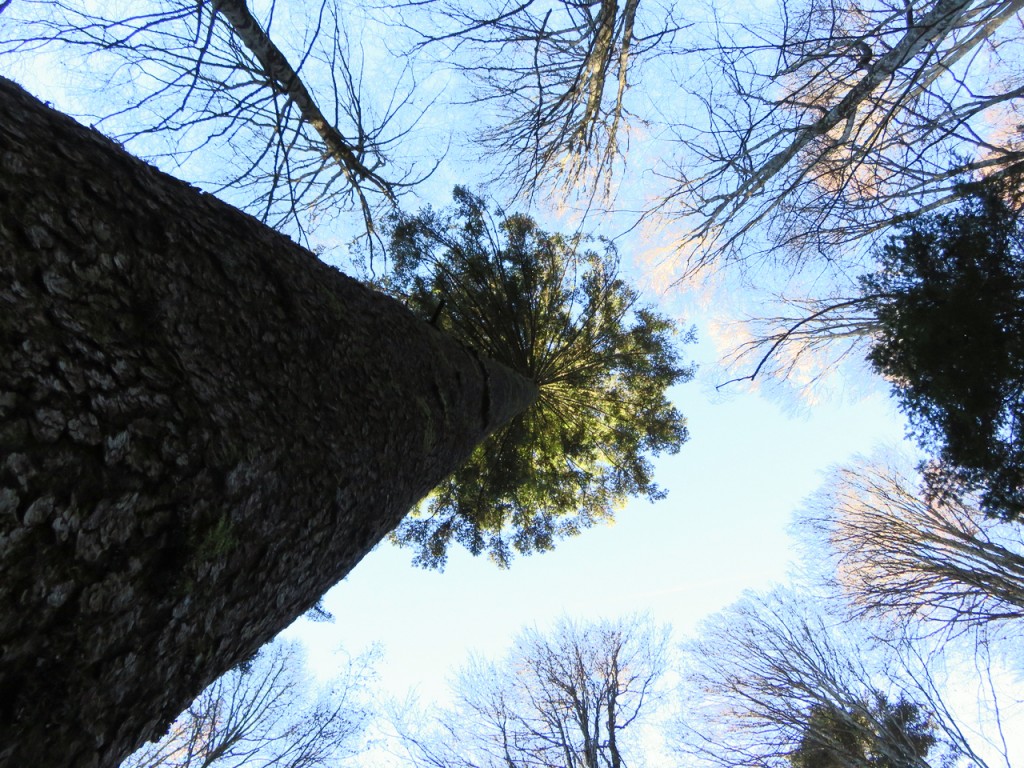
(202, 428)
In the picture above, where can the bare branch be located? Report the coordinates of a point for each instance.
(842, 322)
(203, 80)
(777, 681)
(264, 713)
(569, 698)
(558, 78)
(900, 556)
(285, 80)
(810, 145)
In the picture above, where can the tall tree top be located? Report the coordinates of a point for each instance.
(553, 308)
(949, 298)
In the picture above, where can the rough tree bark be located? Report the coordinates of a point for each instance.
(202, 428)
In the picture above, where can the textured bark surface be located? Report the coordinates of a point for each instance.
(202, 428)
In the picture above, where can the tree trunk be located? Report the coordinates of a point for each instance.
(202, 429)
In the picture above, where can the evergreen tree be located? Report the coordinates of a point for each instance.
(554, 309)
(877, 734)
(949, 297)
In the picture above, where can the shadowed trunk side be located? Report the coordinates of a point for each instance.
(202, 428)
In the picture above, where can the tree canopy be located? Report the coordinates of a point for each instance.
(799, 131)
(782, 680)
(554, 79)
(553, 308)
(573, 697)
(949, 300)
(878, 734)
(821, 124)
(284, 119)
(266, 713)
(897, 555)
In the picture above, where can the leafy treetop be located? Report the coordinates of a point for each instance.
(875, 734)
(553, 308)
(949, 297)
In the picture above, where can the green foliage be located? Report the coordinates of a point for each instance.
(876, 734)
(950, 301)
(553, 308)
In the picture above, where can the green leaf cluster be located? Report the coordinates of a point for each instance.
(949, 298)
(873, 734)
(553, 308)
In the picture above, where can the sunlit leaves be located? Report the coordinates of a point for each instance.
(553, 308)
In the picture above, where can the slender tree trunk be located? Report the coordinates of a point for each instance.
(202, 428)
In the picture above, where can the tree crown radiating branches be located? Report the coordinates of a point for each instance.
(830, 121)
(556, 77)
(802, 131)
(265, 714)
(555, 310)
(778, 681)
(897, 555)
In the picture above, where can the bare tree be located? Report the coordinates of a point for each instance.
(897, 554)
(831, 120)
(776, 681)
(801, 340)
(557, 76)
(204, 82)
(266, 713)
(571, 698)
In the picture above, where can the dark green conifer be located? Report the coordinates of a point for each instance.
(553, 308)
(949, 298)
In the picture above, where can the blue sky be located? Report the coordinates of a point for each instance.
(723, 528)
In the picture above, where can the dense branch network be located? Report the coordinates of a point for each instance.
(898, 555)
(193, 81)
(555, 77)
(575, 696)
(263, 714)
(836, 120)
(779, 681)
